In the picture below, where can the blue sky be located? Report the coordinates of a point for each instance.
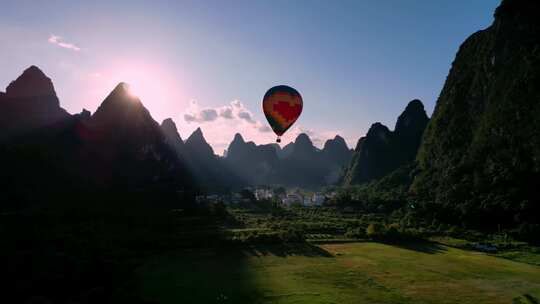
(354, 62)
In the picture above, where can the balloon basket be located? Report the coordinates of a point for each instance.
(278, 140)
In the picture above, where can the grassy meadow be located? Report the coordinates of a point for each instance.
(358, 272)
(253, 255)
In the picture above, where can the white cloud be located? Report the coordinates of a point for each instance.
(59, 41)
(234, 110)
(264, 129)
(226, 112)
(208, 115)
(246, 116)
(220, 124)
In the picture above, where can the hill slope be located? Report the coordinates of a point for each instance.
(480, 156)
(382, 151)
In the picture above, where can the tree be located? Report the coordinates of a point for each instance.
(246, 193)
(375, 230)
(280, 191)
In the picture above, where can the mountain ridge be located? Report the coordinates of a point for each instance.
(382, 151)
(299, 163)
(483, 136)
(29, 103)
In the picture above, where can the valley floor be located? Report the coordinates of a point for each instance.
(361, 272)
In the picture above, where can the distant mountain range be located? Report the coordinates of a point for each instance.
(47, 152)
(122, 145)
(477, 156)
(299, 163)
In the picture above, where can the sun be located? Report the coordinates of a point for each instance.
(153, 83)
(132, 92)
(145, 81)
(140, 81)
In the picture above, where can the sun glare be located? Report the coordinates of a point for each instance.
(142, 82)
(132, 91)
(151, 83)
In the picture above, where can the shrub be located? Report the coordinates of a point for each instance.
(292, 235)
(375, 231)
(392, 232)
(355, 233)
(529, 232)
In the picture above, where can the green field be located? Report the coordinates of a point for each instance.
(363, 272)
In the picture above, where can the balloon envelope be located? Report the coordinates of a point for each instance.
(282, 106)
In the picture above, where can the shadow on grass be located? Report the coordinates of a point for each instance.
(525, 299)
(198, 275)
(91, 252)
(124, 249)
(213, 275)
(283, 250)
(418, 245)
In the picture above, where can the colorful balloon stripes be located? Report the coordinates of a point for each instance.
(282, 105)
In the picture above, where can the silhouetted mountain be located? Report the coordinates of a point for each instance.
(480, 158)
(238, 149)
(210, 170)
(373, 156)
(125, 145)
(119, 148)
(381, 151)
(337, 156)
(126, 115)
(276, 148)
(409, 129)
(268, 153)
(286, 151)
(304, 166)
(29, 103)
(172, 137)
(304, 150)
(85, 114)
(301, 165)
(32, 82)
(336, 151)
(255, 164)
(196, 144)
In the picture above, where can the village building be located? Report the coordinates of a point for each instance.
(292, 198)
(318, 199)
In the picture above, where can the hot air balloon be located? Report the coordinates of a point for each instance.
(282, 106)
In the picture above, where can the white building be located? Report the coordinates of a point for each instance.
(212, 197)
(293, 198)
(200, 199)
(318, 199)
(262, 194)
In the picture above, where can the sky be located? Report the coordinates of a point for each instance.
(208, 63)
